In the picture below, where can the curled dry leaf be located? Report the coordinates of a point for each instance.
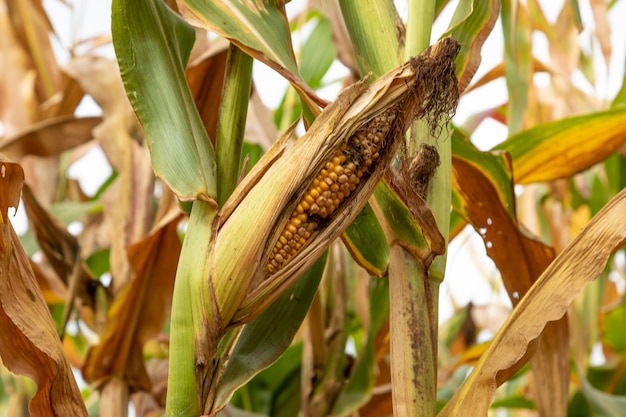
(29, 344)
(11, 179)
(51, 137)
(547, 300)
(63, 252)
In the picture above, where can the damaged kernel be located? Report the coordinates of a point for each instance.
(333, 184)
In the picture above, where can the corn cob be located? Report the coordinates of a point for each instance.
(339, 177)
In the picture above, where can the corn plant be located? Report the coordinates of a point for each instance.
(239, 262)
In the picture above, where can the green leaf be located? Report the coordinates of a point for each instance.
(68, 212)
(274, 391)
(457, 222)
(316, 57)
(259, 28)
(615, 166)
(99, 262)
(614, 329)
(253, 152)
(372, 29)
(366, 241)
(563, 148)
(152, 45)
(516, 401)
(317, 54)
(266, 338)
(232, 411)
(472, 22)
(601, 403)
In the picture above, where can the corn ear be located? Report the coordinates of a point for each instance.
(358, 133)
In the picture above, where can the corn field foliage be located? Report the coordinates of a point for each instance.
(241, 260)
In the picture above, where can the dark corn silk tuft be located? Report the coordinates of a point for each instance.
(332, 186)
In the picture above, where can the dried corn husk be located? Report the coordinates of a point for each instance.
(255, 217)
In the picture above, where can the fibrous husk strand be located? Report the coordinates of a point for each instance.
(436, 85)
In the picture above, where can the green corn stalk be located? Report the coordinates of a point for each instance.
(413, 283)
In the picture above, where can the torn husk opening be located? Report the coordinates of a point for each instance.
(326, 177)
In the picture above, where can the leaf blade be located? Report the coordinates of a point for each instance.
(153, 44)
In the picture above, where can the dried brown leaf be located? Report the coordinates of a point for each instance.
(127, 205)
(51, 137)
(127, 202)
(32, 30)
(260, 127)
(602, 27)
(503, 236)
(63, 253)
(139, 311)
(18, 104)
(547, 300)
(29, 344)
(11, 180)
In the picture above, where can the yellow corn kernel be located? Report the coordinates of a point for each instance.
(331, 187)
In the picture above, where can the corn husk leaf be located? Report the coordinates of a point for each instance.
(366, 242)
(419, 238)
(280, 179)
(279, 323)
(353, 108)
(191, 315)
(547, 300)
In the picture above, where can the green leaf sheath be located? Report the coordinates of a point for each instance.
(191, 312)
(372, 29)
(232, 120)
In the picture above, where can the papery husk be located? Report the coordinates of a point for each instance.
(251, 221)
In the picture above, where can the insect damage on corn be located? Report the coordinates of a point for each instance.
(333, 185)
